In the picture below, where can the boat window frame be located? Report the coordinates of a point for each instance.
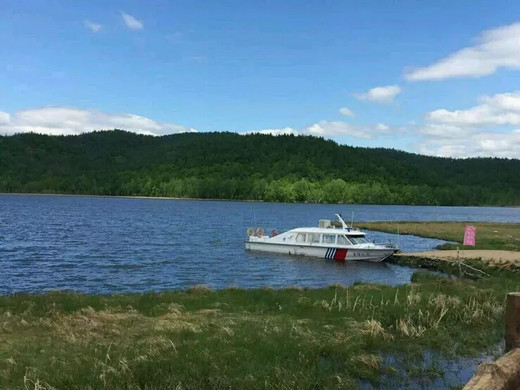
(301, 238)
(335, 236)
(311, 238)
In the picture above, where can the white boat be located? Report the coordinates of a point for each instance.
(327, 241)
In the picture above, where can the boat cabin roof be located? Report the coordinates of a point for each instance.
(330, 230)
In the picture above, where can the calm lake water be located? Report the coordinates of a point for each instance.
(107, 245)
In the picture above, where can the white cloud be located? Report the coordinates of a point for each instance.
(460, 133)
(326, 129)
(444, 131)
(94, 27)
(498, 110)
(131, 22)
(384, 94)
(497, 48)
(330, 129)
(382, 128)
(347, 112)
(70, 121)
(475, 144)
(282, 131)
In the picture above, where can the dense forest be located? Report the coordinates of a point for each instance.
(257, 167)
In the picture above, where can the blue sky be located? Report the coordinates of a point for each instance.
(437, 78)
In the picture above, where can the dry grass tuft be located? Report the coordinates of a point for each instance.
(227, 331)
(413, 297)
(374, 329)
(174, 323)
(406, 327)
(87, 324)
(443, 301)
(369, 361)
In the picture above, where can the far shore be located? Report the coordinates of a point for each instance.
(131, 197)
(226, 200)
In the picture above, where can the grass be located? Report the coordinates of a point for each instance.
(498, 236)
(255, 339)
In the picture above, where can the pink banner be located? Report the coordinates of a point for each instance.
(469, 235)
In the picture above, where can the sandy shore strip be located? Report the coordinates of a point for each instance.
(494, 257)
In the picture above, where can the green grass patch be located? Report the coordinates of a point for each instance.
(256, 339)
(498, 236)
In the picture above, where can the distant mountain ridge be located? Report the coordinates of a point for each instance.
(283, 168)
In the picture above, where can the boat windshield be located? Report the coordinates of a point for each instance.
(358, 239)
(343, 240)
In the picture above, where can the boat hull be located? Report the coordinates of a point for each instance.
(339, 254)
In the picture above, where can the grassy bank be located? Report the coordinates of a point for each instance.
(501, 236)
(201, 339)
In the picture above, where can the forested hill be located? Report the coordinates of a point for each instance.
(262, 167)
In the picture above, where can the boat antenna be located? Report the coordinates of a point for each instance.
(352, 220)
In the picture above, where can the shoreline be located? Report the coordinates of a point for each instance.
(242, 200)
(449, 260)
(134, 197)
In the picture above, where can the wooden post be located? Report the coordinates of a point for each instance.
(512, 321)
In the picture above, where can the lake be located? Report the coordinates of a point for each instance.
(109, 245)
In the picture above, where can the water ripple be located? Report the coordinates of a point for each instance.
(108, 245)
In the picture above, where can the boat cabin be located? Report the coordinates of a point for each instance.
(332, 238)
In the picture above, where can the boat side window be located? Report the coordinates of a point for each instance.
(313, 238)
(328, 239)
(343, 240)
(358, 239)
(300, 237)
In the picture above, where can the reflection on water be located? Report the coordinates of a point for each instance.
(434, 372)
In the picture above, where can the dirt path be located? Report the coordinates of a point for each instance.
(494, 257)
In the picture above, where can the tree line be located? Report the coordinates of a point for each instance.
(284, 168)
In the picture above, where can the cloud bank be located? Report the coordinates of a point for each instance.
(498, 110)
(487, 129)
(464, 133)
(497, 48)
(331, 129)
(72, 121)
